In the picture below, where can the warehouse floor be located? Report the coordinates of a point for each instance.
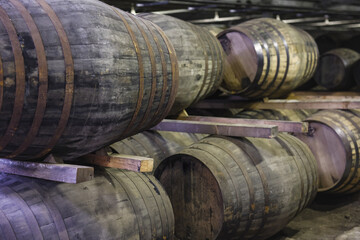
(327, 218)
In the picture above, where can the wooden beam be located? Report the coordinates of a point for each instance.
(66, 173)
(324, 95)
(127, 162)
(281, 104)
(283, 126)
(226, 129)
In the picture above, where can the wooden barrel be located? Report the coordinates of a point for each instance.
(78, 75)
(335, 69)
(334, 140)
(276, 114)
(238, 188)
(156, 144)
(327, 42)
(117, 204)
(267, 58)
(356, 72)
(200, 57)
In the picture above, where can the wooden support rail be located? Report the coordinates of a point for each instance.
(283, 126)
(323, 95)
(57, 172)
(226, 129)
(339, 103)
(127, 162)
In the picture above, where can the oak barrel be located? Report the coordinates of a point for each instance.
(356, 72)
(78, 75)
(267, 58)
(200, 57)
(156, 144)
(334, 140)
(117, 204)
(238, 188)
(335, 69)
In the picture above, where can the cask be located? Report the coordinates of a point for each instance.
(334, 140)
(117, 204)
(78, 75)
(238, 188)
(200, 57)
(335, 69)
(267, 58)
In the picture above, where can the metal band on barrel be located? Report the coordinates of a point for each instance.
(174, 72)
(43, 78)
(141, 72)
(153, 72)
(164, 75)
(69, 69)
(20, 80)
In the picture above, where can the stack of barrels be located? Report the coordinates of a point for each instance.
(76, 76)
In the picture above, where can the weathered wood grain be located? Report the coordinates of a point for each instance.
(120, 161)
(218, 128)
(335, 69)
(76, 76)
(200, 57)
(334, 139)
(117, 204)
(157, 145)
(342, 103)
(57, 172)
(238, 188)
(267, 58)
(283, 126)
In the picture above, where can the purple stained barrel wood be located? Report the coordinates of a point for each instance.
(267, 58)
(117, 204)
(335, 69)
(156, 144)
(200, 57)
(78, 75)
(334, 140)
(238, 188)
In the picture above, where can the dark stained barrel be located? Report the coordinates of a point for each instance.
(200, 57)
(267, 58)
(334, 140)
(356, 72)
(238, 188)
(297, 115)
(119, 205)
(78, 75)
(335, 69)
(156, 144)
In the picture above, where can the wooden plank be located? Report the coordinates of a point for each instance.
(226, 129)
(325, 95)
(127, 162)
(317, 93)
(66, 173)
(281, 104)
(283, 126)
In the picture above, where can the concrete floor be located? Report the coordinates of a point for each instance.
(328, 217)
